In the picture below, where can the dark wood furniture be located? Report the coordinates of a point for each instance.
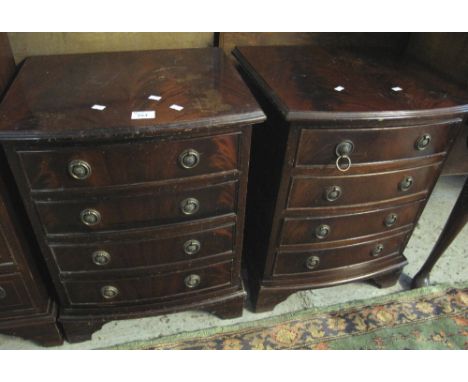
(342, 169)
(26, 309)
(457, 220)
(135, 217)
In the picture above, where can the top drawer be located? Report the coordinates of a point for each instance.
(318, 146)
(128, 163)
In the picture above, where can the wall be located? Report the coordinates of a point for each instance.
(45, 43)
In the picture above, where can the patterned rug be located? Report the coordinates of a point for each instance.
(428, 318)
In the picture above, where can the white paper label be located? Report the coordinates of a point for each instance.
(397, 89)
(98, 107)
(154, 97)
(176, 107)
(148, 114)
(339, 88)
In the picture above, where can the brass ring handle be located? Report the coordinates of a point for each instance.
(406, 183)
(101, 257)
(333, 193)
(312, 262)
(189, 206)
(339, 166)
(423, 142)
(90, 217)
(79, 169)
(322, 231)
(3, 293)
(189, 158)
(192, 246)
(377, 250)
(391, 219)
(192, 281)
(109, 292)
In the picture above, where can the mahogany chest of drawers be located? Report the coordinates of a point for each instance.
(342, 168)
(133, 169)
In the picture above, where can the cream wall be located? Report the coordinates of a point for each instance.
(33, 44)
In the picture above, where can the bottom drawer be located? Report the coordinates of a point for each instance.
(13, 293)
(291, 263)
(149, 287)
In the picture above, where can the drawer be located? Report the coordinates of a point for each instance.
(318, 146)
(13, 293)
(149, 287)
(6, 258)
(147, 252)
(129, 163)
(309, 192)
(126, 211)
(291, 263)
(324, 229)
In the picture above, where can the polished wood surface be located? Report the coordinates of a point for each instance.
(135, 258)
(48, 102)
(114, 165)
(301, 82)
(455, 223)
(159, 249)
(310, 225)
(373, 188)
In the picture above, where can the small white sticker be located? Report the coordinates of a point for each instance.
(397, 89)
(154, 97)
(339, 88)
(98, 107)
(176, 107)
(148, 114)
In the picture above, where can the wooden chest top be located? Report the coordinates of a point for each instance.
(306, 82)
(53, 96)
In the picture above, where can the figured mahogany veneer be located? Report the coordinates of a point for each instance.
(135, 217)
(309, 224)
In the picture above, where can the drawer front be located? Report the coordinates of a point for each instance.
(340, 227)
(6, 258)
(144, 252)
(149, 287)
(144, 210)
(318, 146)
(309, 192)
(130, 163)
(13, 293)
(290, 263)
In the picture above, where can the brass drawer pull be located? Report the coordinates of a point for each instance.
(343, 150)
(333, 193)
(192, 281)
(377, 250)
(312, 262)
(3, 293)
(192, 246)
(189, 206)
(391, 219)
(79, 169)
(109, 292)
(189, 158)
(90, 217)
(406, 183)
(322, 231)
(423, 142)
(101, 258)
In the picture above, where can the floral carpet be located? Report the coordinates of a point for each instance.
(429, 318)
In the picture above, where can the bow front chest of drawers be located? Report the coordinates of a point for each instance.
(341, 170)
(133, 169)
